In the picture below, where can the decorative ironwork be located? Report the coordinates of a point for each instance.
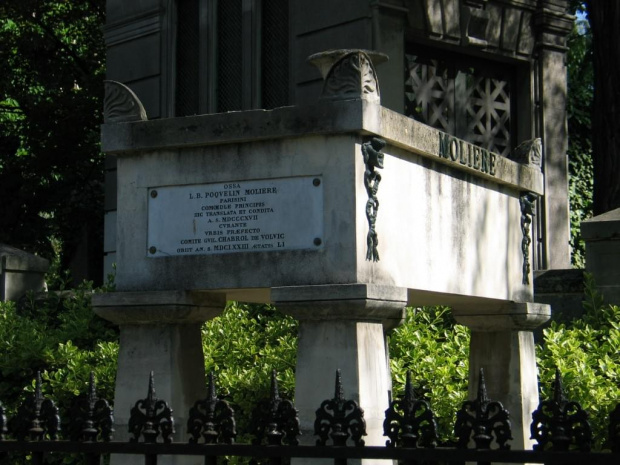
(275, 418)
(482, 420)
(37, 417)
(91, 417)
(212, 418)
(373, 158)
(151, 417)
(614, 429)
(560, 423)
(528, 152)
(410, 422)
(343, 418)
(527, 200)
(121, 104)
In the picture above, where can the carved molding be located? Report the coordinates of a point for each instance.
(474, 23)
(121, 104)
(133, 27)
(373, 159)
(502, 26)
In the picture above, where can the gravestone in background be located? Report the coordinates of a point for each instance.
(20, 272)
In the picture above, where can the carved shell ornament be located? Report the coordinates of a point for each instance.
(349, 74)
(121, 104)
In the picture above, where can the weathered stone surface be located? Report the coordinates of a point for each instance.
(20, 272)
(350, 116)
(509, 363)
(434, 228)
(383, 304)
(510, 316)
(160, 332)
(602, 237)
(158, 307)
(358, 350)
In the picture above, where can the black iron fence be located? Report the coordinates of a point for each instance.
(560, 429)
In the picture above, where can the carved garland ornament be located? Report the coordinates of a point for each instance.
(528, 211)
(373, 158)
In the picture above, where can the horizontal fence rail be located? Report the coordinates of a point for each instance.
(560, 428)
(338, 453)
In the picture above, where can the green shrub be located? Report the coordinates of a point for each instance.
(246, 342)
(436, 351)
(587, 353)
(242, 346)
(59, 335)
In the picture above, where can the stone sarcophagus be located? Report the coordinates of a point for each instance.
(341, 192)
(340, 213)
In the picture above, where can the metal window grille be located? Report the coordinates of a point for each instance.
(230, 55)
(187, 58)
(275, 53)
(469, 100)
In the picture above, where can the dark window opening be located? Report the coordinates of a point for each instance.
(468, 98)
(231, 55)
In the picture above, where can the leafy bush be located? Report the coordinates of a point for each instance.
(436, 350)
(59, 335)
(242, 346)
(587, 353)
(579, 107)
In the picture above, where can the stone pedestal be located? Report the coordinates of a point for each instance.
(342, 327)
(160, 332)
(502, 343)
(602, 237)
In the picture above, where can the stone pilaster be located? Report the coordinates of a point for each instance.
(552, 27)
(342, 327)
(502, 343)
(160, 332)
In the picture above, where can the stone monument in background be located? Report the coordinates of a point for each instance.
(20, 272)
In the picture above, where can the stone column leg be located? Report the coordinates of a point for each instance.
(160, 332)
(342, 327)
(502, 343)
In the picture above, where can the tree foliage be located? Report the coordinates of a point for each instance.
(51, 88)
(587, 353)
(579, 108)
(604, 17)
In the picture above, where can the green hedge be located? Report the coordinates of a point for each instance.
(59, 335)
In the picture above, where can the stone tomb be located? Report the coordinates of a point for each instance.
(340, 213)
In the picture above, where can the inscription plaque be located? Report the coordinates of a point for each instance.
(237, 216)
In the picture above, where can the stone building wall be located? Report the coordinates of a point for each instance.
(525, 39)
